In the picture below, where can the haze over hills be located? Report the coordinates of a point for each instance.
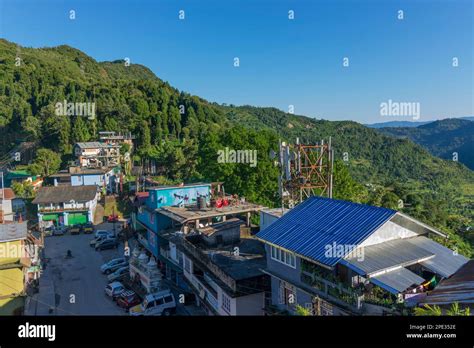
(379, 169)
(410, 123)
(449, 138)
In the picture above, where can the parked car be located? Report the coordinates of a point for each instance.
(101, 232)
(48, 231)
(107, 243)
(75, 229)
(118, 274)
(114, 289)
(160, 303)
(99, 239)
(128, 299)
(113, 265)
(112, 218)
(87, 228)
(59, 230)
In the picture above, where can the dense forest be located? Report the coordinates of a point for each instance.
(182, 133)
(451, 139)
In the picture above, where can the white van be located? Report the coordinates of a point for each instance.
(160, 303)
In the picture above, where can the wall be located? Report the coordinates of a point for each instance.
(266, 219)
(389, 231)
(90, 179)
(176, 196)
(251, 304)
(287, 272)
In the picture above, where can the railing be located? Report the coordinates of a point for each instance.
(336, 290)
(62, 209)
(202, 257)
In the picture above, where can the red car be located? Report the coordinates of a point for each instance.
(112, 218)
(128, 299)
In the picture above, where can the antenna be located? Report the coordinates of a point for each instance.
(306, 170)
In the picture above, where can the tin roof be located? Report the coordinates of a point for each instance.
(458, 288)
(319, 222)
(384, 256)
(446, 262)
(65, 193)
(397, 281)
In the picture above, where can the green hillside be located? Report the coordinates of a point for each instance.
(181, 134)
(442, 138)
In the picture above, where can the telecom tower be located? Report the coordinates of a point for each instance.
(306, 170)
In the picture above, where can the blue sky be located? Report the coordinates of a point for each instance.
(282, 62)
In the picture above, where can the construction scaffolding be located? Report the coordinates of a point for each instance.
(306, 170)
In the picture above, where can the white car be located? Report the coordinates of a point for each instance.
(160, 303)
(112, 265)
(114, 289)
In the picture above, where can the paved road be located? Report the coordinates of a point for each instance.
(75, 285)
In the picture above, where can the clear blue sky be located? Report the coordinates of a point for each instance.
(283, 61)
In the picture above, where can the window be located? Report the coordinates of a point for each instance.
(159, 302)
(187, 265)
(283, 256)
(287, 294)
(168, 299)
(225, 303)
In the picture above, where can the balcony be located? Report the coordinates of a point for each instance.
(61, 209)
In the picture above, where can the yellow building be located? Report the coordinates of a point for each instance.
(13, 263)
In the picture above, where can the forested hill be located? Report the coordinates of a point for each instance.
(444, 138)
(182, 133)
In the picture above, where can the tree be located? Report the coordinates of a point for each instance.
(435, 310)
(46, 162)
(300, 310)
(80, 132)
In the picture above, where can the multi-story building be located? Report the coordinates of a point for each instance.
(66, 205)
(19, 266)
(223, 270)
(106, 179)
(7, 197)
(186, 229)
(97, 154)
(335, 257)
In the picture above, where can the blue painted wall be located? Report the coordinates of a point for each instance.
(176, 196)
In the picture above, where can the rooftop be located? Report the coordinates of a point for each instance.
(190, 213)
(94, 145)
(317, 222)
(278, 212)
(166, 187)
(221, 226)
(8, 192)
(65, 193)
(247, 263)
(80, 171)
(13, 231)
(458, 288)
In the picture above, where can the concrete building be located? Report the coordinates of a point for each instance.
(335, 257)
(19, 266)
(97, 154)
(6, 205)
(66, 205)
(106, 179)
(225, 272)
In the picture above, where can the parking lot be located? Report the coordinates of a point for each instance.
(74, 286)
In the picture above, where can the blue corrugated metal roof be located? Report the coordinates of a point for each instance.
(319, 222)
